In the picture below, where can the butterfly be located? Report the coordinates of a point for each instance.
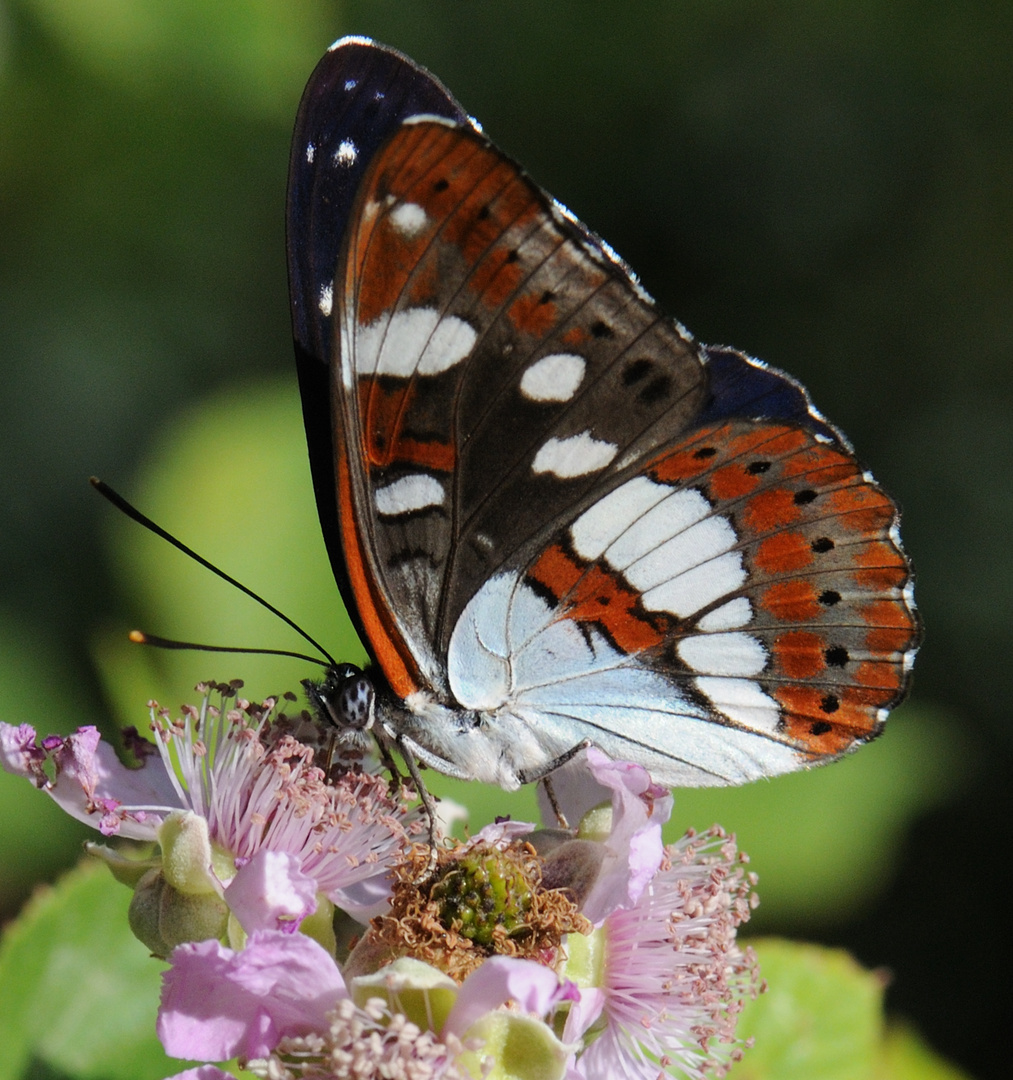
(557, 519)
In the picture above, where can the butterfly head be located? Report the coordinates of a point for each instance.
(344, 699)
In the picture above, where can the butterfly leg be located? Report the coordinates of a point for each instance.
(532, 776)
(428, 803)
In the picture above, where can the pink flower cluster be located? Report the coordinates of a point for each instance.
(246, 820)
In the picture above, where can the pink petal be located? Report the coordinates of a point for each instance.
(583, 1013)
(90, 783)
(271, 893)
(217, 1003)
(634, 848)
(535, 988)
(202, 1072)
(365, 899)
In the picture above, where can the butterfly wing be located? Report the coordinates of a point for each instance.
(561, 520)
(358, 94)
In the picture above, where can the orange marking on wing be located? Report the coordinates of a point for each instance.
(531, 316)
(387, 260)
(863, 508)
(832, 465)
(388, 646)
(496, 276)
(575, 336)
(686, 463)
(413, 168)
(556, 570)
(770, 510)
(499, 200)
(593, 595)
(879, 675)
(381, 411)
(800, 654)
(767, 440)
(791, 601)
(732, 481)
(891, 628)
(782, 553)
(881, 567)
(854, 717)
(425, 284)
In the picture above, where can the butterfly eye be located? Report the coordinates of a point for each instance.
(354, 706)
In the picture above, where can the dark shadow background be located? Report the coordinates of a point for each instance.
(827, 186)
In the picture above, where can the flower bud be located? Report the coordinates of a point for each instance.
(162, 917)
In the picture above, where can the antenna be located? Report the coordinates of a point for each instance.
(148, 639)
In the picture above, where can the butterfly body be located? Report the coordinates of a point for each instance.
(557, 518)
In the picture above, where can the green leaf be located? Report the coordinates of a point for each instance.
(37, 839)
(251, 54)
(906, 1057)
(820, 1018)
(78, 993)
(824, 841)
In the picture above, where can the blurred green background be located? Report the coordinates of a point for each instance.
(826, 185)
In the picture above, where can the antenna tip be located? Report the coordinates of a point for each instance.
(138, 637)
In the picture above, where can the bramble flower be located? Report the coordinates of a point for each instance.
(282, 1006)
(252, 833)
(661, 978)
(523, 952)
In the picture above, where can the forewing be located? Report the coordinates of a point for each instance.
(358, 94)
(499, 370)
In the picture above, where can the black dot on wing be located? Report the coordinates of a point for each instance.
(483, 213)
(635, 370)
(442, 184)
(803, 497)
(829, 597)
(836, 656)
(546, 296)
(600, 329)
(656, 390)
(822, 545)
(512, 256)
(820, 727)
(705, 452)
(755, 468)
(830, 704)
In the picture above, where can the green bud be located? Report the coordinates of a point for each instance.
(126, 870)
(514, 1047)
(186, 853)
(421, 992)
(596, 824)
(162, 917)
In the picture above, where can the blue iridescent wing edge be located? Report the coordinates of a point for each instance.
(358, 95)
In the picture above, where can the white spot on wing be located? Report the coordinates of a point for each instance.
(311, 153)
(688, 548)
(742, 701)
(576, 455)
(326, 300)
(610, 516)
(409, 219)
(699, 587)
(416, 341)
(730, 616)
(346, 153)
(723, 654)
(553, 378)
(662, 525)
(415, 492)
